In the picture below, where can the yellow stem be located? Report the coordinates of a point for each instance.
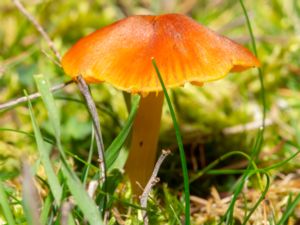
(143, 146)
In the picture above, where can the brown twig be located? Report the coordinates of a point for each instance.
(118, 216)
(152, 181)
(84, 89)
(246, 127)
(92, 187)
(186, 6)
(124, 8)
(38, 27)
(23, 99)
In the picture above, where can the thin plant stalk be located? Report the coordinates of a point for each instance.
(151, 182)
(53, 181)
(90, 155)
(260, 73)
(220, 159)
(289, 210)
(180, 145)
(83, 87)
(40, 29)
(24, 99)
(261, 198)
(76, 188)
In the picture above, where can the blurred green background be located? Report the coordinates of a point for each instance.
(203, 112)
(212, 118)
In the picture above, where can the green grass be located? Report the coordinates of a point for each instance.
(7, 212)
(292, 204)
(84, 202)
(180, 146)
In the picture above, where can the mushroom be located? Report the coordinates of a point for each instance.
(120, 54)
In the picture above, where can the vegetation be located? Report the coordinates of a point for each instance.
(239, 171)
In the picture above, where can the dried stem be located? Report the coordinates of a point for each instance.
(152, 181)
(126, 10)
(38, 27)
(118, 216)
(246, 127)
(23, 99)
(92, 187)
(186, 6)
(84, 89)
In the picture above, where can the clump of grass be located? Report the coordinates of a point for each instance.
(267, 189)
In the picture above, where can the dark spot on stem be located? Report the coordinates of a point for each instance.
(141, 143)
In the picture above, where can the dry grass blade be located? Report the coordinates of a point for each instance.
(84, 89)
(124, 7)
(246, 127)
(270, 209)
(152, 181)
(186, 6)
(20, 100)
(38, 27)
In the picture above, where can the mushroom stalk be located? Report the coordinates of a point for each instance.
(143, 147)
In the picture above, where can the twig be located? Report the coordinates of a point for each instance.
(38, 27)
(117, 216)
(51, 58)
(198, 200)
(246, 127)
(84, 89)
(186, 6)
(124, 8)
(152, 181)
(92, 187)
(32, 96)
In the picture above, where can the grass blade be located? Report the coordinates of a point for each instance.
(261, 198)
(46, 209)
(48, 99)
(260, 73)
(289, 210)
(229, 213)
(43, 87)
(89, 160)
(180, 145)
(44, 155)
(83, 200)
(208, 168)
(5, 206)
(3, 129)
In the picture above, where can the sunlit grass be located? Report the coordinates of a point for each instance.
(63, 164)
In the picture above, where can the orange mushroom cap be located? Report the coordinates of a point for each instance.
(184, 50)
